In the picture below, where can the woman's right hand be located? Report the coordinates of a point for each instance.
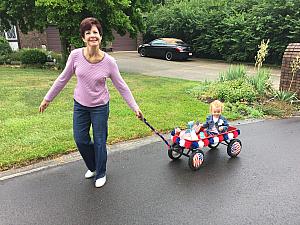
(43, 106)
(139, 114)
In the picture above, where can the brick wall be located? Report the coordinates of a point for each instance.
(291, 52)
(33, 39)
(139, 39)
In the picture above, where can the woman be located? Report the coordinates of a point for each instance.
(91, 97)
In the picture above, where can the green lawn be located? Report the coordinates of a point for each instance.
(26, 135)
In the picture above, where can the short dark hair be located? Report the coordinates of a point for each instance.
(87, 24)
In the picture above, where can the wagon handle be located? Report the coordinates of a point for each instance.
(156, 132)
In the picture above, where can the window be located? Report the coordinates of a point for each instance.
(158, 42)
(12, 38)
(11, 34)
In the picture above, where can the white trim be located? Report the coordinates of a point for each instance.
(14, 45)
(11, 35)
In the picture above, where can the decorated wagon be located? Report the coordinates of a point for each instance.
(190, 144)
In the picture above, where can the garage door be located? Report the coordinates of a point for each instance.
(123, 43)
(53, 40)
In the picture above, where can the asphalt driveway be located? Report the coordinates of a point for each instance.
(144, 187)
(193, 69)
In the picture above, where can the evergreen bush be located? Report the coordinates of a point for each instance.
(33, 56)
(4, 47)
(230, 30)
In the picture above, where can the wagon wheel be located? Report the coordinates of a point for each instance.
(175, 151)
(213, 146)
(196, 159)
(142, 52)
(169, 56)
(234, 148)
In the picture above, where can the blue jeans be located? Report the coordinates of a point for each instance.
(93, 152)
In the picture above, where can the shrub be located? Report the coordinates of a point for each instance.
(14, 57)
(235, 91)
(233, 73)
(228, 91)
(33, 56)
(4, 47)
(242, 110)
(3, 59)
(57, 59)
(261, 82)
(285, 96)
(229, 30)
(277, 108)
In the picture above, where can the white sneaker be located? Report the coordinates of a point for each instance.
(89, 174)
(100, 182)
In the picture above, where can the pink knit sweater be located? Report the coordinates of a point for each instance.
(91, 89)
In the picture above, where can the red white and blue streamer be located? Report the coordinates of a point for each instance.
(212, 139)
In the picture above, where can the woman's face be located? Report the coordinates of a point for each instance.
(92, 37)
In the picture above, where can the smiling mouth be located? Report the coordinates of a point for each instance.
(93, 39)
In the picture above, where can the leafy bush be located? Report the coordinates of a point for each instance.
(242, 110)
(13, 57)
(57, 59)
(261, 82)
(4, 47)
(229, 30)
(233, 73)
(228, 91)
(235, 91)
(3, 59)
(33, 56)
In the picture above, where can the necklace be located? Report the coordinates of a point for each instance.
(93, 58)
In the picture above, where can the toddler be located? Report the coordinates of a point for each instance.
(216, 123)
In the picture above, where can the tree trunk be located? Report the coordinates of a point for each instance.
(66, 48)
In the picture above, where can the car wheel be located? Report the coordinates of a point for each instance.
(169, 56)
(142, 52)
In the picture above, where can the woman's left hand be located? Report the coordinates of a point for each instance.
(139, 114)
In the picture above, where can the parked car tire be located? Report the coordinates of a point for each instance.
(143, 52)
(169, 56)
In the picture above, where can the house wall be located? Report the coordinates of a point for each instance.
(50, 39)
(34, 39)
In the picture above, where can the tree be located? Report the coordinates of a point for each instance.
(227, 29)
(121, 15)
(23, 13)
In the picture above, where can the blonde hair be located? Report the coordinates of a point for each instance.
(216, 104)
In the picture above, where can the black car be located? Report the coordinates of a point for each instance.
(167, 48)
